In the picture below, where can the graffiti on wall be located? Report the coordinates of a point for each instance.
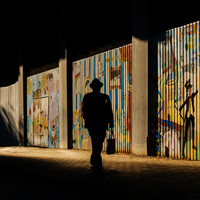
(175, 95)
(43, 109)
(114, 69)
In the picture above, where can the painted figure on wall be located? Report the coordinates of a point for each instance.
(53, 107)
(189, 114)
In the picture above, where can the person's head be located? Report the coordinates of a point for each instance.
(189, 91)
(49, 78)
(188, 87)
(96, 85)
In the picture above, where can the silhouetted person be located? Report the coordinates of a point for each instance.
(97, 113)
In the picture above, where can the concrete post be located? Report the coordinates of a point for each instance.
(139, 77)
(63, 95)
(64, 130)
(21, 106)
(21, 97)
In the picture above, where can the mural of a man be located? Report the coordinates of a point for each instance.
(53, 107)
(189, 114)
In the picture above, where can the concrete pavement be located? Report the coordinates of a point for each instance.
(43, 173)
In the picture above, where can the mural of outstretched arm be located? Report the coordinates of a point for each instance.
(181, 107)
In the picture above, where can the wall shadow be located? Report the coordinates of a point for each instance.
(9, 134)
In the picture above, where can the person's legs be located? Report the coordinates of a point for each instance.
(193, 124)
(97, 144)
(95, 157)
(185, 134)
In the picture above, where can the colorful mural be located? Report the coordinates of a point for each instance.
(114, 69)
(175, 95)
(43, 109)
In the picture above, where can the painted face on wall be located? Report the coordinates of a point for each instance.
(53, 123)
(189, 92)
(49, 83)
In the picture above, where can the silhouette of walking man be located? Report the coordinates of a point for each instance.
(97, 113)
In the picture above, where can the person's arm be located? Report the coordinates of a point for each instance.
(182, 105)
(195, 93)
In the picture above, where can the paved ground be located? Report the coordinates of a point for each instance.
(41, 173)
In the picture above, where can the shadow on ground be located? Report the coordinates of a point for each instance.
(51, 178)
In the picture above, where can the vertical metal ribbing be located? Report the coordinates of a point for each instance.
(105, 85)
(166, 93)
(190, 153)
(74, 104)
(183, 146)
(169, 115)
(82, 141)
(187, 78)
(119, 104)
(126, 113)
(182, 89)
(176, 91)
(109, 81)
(123, 101)
(170, 92)
(162, 95)
(113, 90)
(179, 91)
(198, 96)
(173, 91)
(78, 106)
(163, 92)
(195, 89)
(116, 108)
(158, 141)
(128, 98)
(189, 135)
(191, 47)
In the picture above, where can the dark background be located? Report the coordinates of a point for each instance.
(88, 29)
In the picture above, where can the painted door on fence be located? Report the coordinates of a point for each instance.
(40, 122)
(45, 85)
(175, 95)
(114, 69)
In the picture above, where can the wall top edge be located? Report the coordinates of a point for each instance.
(102, 53)
(42, 72)
(10, 85)
(175, 28)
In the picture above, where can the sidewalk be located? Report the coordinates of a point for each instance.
(43, 173)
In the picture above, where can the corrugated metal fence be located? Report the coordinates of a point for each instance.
(9, 115)
(175, 95)
(114, 69)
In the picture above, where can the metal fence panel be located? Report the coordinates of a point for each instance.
(175, 96)
(114, 69)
